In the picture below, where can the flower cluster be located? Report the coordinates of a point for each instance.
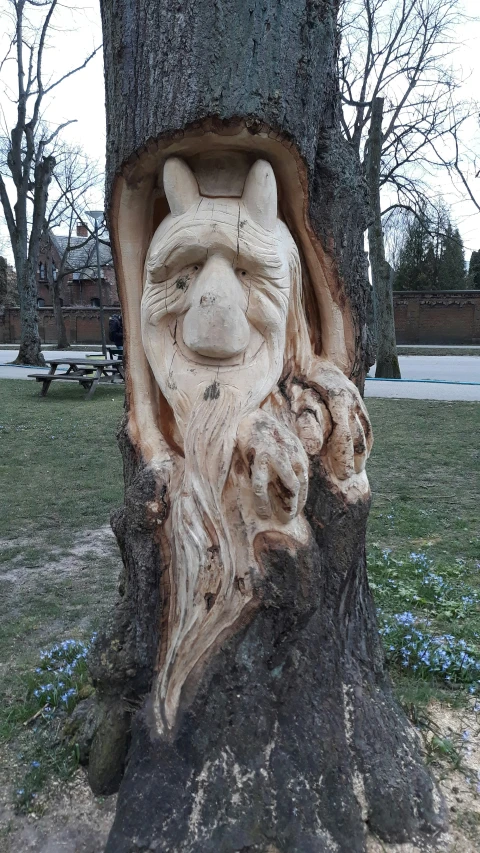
(414, 583)
(410, 642)
(60, 675)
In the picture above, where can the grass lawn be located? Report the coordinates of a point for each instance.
(60, 477)
(60, 469)
(424, 541)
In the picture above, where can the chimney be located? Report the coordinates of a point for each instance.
(82, 230)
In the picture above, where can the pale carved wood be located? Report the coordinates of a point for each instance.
(222, 322)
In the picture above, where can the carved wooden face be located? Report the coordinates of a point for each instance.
(217, 289)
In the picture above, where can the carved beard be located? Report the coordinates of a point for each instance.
(205, 601)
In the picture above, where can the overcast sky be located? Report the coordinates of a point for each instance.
(81, 97)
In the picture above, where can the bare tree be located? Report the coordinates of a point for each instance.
(74, 177)
(399, 111)
(463, 165)
(29, 157)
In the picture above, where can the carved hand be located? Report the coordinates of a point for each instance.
(332, 420)
(278, 466)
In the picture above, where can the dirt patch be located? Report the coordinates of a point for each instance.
(88, 544)
(51, 591)
(460, 787)
(74, 821)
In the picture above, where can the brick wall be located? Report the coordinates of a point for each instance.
(82, 324)
(445, 317)
(442, 317)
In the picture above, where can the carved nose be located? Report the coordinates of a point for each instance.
(215, 324)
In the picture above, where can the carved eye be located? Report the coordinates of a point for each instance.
(196, 268)
(242, 273)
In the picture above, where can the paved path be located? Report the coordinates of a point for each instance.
(446, 369)
(7, 371)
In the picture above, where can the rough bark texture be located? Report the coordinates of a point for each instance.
(30, 351)
(62, 338)
(3, 281)
(382, 275)
(26, 253)
(292, 740)
(55, 282)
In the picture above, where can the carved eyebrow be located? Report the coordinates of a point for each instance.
(258, 253)
(179, 253)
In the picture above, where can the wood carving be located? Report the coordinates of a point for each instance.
(242, 697)
(224, 331)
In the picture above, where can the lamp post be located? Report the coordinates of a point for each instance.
(97, 216)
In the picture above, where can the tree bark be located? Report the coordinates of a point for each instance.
(62, 337)
(54, 283)
(26, 251)
(289, 738)
(30, 350)
(382, 274)
(3, 281)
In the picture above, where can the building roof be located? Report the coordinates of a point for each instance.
(82, 256)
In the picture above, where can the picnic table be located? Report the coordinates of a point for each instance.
(87, 371)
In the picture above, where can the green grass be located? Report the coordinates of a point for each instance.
(424, 541)
(60, 477)
(59, 463)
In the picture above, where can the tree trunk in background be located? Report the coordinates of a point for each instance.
(3, 281)
(54, 283)
(292, 740)
(382, 274)
(62, 337)
(30, 351)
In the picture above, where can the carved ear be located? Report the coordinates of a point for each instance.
(260, 194)
(180, 186)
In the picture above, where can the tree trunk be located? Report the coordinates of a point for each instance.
(62, 338)
(54, 283)
(254, 706)
(382, 274)
(26, 252)
(30, 351)
(3, 281)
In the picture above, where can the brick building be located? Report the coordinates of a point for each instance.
(74, 259)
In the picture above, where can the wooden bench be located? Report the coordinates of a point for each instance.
(88, 372)
(84, 379)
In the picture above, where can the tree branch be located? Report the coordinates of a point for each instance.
(73, 71)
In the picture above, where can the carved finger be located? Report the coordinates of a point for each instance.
(286, 489)
(362, 415)
(260, 480)
(301, 470)
(313, 421)
(359, 443)
(340, 446)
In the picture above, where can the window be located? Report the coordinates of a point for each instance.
(95, 302)
(40, 302)
(61, 302)
(42, 272)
